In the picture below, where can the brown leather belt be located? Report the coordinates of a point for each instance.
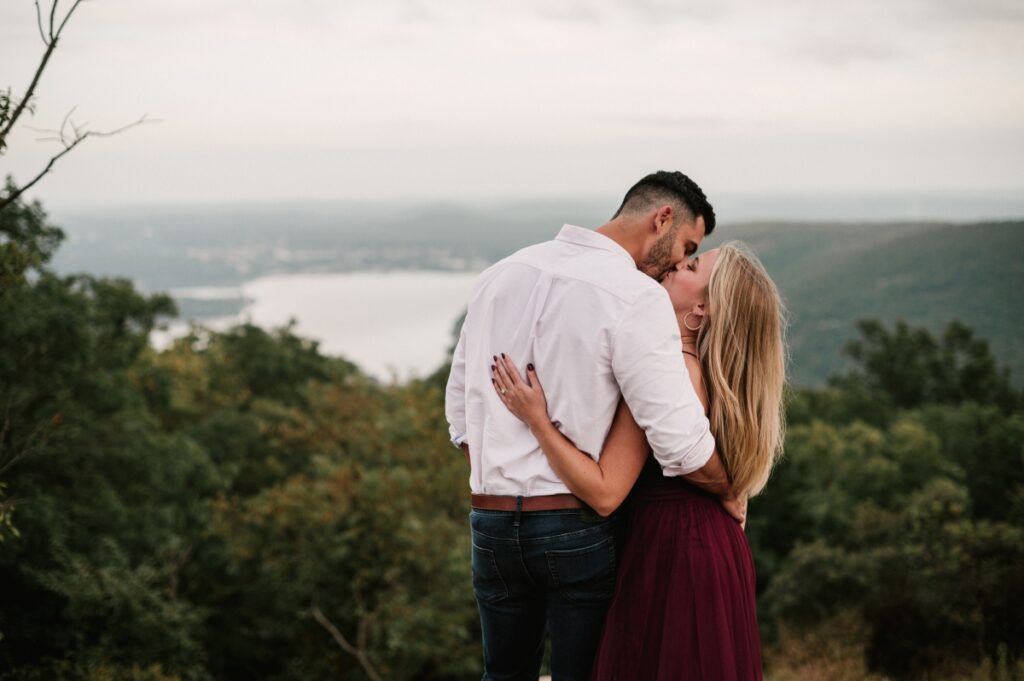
(551, 502)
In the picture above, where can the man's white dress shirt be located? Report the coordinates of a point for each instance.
(594, 327)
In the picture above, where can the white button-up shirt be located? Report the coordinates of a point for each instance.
(594, 327)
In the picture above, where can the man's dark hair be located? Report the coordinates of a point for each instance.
(669, 187)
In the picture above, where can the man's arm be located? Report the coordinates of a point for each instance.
(455, 394)
(648, 364)
(647, 361)
(713, 478)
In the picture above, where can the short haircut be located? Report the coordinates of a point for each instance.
(670, 187)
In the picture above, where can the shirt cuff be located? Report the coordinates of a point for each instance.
(458, 439)
(695, 459)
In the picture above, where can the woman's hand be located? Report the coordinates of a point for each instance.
(526, 398)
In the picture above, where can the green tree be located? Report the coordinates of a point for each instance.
(96, 481)
(898, 503)
(906, 367)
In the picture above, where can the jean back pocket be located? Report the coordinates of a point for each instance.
(585, 574)
(488, 584)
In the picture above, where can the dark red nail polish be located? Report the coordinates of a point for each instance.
(492, 367)
(529, 366)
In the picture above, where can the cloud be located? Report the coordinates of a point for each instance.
(633, 11)
(976, 10)
(843, 49)
(680, 123)
(674, 10)
(572, 12)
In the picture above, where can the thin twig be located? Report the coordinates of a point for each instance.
(69, 142)
(51, 45)
(39, 23)
(8, 200)
(23, 103)
(53, 13)
(68, 15)
(63, 124)
(345, 645)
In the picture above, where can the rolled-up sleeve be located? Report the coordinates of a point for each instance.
(455, 394)
(648, 365)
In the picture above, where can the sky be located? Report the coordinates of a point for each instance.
(268, 100)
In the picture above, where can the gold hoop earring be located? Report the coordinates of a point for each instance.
(691, 328)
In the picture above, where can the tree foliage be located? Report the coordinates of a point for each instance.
(182, 513)
(899, 500)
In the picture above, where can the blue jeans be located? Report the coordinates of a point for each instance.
(537, 573)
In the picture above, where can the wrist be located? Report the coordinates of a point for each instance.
(541, 425)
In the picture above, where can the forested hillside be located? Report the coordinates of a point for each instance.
(926, 274)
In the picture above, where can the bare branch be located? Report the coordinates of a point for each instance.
(110, 133)
(67, 16)
(6, 201)
(51, 45)
(39, 23)
(345, 645)
(20, 109)
(53, 13)
(69, 142)
(64, 123)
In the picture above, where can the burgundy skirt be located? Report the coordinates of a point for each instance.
(684, 603)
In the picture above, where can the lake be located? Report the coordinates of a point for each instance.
(394, 325)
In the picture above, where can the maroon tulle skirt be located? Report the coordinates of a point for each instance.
(684, 604)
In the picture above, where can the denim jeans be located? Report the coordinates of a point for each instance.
(541, 573)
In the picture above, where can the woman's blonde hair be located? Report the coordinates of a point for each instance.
(742, 351)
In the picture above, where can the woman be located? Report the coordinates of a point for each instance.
(684, 603)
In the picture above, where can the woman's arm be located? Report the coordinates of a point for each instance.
(602, 485)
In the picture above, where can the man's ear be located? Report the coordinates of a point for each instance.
(663, 218)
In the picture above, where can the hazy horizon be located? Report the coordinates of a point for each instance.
(730, 208)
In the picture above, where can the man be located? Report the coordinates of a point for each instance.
(587, 310)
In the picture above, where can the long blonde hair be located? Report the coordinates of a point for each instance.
(742, 351)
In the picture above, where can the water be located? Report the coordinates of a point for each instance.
(394, 325)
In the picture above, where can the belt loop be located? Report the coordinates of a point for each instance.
(519, 510)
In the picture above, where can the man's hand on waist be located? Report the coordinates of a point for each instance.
(736, 507)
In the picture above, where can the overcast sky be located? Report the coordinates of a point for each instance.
(470, 99)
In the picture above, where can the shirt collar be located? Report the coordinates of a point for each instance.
(591, 239)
